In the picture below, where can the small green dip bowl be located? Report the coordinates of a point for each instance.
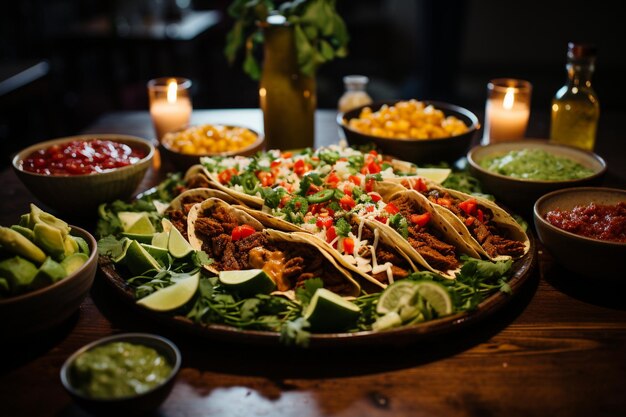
(136, 404)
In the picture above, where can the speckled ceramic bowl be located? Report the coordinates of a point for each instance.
(416, 150)
(136, 405)
(27, 314)
(593, 258)
(83, 193)
(520, 194)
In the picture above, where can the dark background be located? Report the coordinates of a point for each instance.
(63, 63)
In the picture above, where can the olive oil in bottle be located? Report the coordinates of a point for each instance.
(575, 107)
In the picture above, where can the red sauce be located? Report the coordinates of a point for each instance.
(594, 220)
(82, 157)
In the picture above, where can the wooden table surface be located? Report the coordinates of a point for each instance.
(557, 349)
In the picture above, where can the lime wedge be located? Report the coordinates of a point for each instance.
(125, 244)
(142, 226)
(160, 239)
(437, 296)
(167, 225)
(160, 254)
(140, 237)
(138, 260)
(437, 175)
(172, 297)
(128, 218)
(248, 282)
(329, 312)
(397, 295)
(178, 245)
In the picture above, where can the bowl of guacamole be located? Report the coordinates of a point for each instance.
(520, 172)
(132, 373)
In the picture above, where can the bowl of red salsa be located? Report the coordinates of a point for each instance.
(584, 229)
(77, 173)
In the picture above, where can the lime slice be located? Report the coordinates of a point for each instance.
(160, 254)
(437, 175)
(397, 295)
(142, 226)
(128, 218)
(160, 239)
(138, 260)
(125, 244)
(248, 282)
(329, 312)
(172, 297)
(437, 296)
(178, 245)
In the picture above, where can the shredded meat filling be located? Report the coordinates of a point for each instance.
(425, 240)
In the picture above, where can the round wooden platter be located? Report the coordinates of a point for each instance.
(522, 269)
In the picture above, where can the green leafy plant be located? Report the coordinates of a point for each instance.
(320, 33)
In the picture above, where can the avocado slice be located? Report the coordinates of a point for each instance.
(83, 247)
(50, 239)
(5, 289)
(24, 220)
(19, 245)
(18, 272)
(38, 216)
(73, 262)
(49, 272)
(70, 245)
(24, 231)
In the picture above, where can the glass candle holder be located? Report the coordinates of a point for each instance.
(507, 110)
(170, 104)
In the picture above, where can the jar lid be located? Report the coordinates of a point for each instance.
(357, 80)
(581, 50)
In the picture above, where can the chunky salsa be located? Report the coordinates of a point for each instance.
(535, 164)
(80, 157)
(596, 221)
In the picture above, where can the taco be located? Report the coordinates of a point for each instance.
(357, 245)
(491, 230)
(420, 230)
(179, 207)
(237, 241)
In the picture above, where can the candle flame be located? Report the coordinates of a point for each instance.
(172, 89)
(509, 98)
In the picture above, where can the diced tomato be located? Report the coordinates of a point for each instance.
(375, 196)
(347, 202)
(420, 185)
(420, 219)
(332, 179)
(324, 221)
(286, 155)
(468, 206)
(381, 219)
(300, 167)
(225, 176)
(369, 208)
(347, 189)
(275, 163)
(284, 201)
(369, 185)
(391, 208)
(470, 220)
(355, 180)
(241, 232)
(373, 152)
(331, 234)
(373, 167)
(348, 245)
(445, 202)
(312, 189)
(266, 178)
(480, 216)
(342, 159)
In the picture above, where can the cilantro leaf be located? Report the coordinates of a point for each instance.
(306, 292)
(110, 246)
(294, 332)
(342, 227)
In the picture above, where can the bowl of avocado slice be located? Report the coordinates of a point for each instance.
(46, 270)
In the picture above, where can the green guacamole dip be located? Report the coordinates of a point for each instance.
(535, 164)
(119, 370)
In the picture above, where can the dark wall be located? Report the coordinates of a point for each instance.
(426, 49)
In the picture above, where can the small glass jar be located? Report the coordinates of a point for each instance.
(507, 110)
(355, 94)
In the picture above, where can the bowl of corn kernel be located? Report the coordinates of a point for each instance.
(185, 147)
(417, 131)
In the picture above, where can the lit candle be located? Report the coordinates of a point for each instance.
(170, 111)
(507, 116)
